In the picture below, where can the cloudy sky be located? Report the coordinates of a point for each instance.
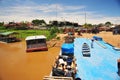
(97, 11)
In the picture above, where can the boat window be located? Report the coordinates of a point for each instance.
(36, 41)
(41, 40)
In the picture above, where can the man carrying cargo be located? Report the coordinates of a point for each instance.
(92, 40)
(118, 66)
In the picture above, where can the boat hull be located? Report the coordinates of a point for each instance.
(36, 49)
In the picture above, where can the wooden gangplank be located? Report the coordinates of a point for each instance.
(57, 78)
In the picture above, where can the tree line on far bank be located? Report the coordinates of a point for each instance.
(54, 26)
(41, 23)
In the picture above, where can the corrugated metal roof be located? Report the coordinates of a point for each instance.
(35, 37)
(6, 33)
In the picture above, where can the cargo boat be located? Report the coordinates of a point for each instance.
(65, 67)
(36, 43)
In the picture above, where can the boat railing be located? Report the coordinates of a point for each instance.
(100, 44)
(57, 78)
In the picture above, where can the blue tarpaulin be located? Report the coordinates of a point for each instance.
(97, 38)
(102, 65)
(67, 48)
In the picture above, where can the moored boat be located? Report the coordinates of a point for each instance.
(65, 67)
(86, 50)
(36, 43)
(9, 37)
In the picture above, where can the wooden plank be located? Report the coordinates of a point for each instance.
(57, 78)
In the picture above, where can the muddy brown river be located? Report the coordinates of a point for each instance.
(16, 64)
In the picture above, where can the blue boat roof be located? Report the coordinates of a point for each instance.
(97, 38)
(102, 65)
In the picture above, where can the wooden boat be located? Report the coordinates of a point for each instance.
(36, 43)
(9, 37)
(86, 50)
(65, 67)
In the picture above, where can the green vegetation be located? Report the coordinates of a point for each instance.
(54, 30)
(1, 23)
(51, 33)
(24, 33)
(24, 28)
(38, 22)
(108, 24)
(2, 27)
(88, 26)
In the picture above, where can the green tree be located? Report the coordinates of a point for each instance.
(43, 22)
(1, 23)
(100, 25)
(88, 26)
(54, 30)
(54, 23)
(61, 24)
(37, 22)
(108, 24)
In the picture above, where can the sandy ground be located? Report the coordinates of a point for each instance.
(16, 64)
(107, 37)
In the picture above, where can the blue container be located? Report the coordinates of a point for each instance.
(67, 48)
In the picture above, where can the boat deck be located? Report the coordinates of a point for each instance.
(101, 65)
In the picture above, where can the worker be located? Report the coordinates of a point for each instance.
(92, 40)
(118, 66)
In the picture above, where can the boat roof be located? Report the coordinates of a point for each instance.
(35, 37)
(7, 33)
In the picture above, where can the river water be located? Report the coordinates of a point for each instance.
(16, 64)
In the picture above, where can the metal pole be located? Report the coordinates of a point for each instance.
(85, 17)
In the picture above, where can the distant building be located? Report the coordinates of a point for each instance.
(116, 30)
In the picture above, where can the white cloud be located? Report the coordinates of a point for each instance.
(49, 11)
